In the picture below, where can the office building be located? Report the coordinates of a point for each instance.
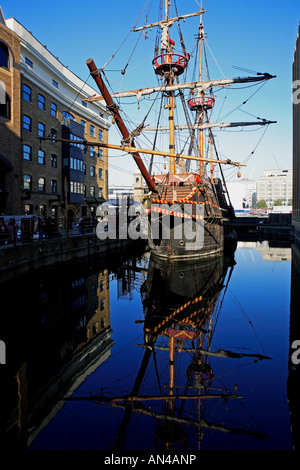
(274, 186)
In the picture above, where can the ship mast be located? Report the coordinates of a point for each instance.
(201, 37)
(170, 80)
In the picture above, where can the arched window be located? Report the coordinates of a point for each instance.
(67, 115)
(4, 101)
(4, 56)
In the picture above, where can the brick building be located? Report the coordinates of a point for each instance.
(40, 97)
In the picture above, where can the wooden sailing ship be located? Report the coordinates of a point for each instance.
(180, 195)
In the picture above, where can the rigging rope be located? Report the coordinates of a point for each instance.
(124, 40)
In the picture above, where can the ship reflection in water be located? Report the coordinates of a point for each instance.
(149, 354)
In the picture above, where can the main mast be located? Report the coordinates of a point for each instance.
(201, 37)
(170, 79)
(169, 65)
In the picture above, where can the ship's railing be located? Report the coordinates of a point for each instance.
(170, 61)
(200, 102)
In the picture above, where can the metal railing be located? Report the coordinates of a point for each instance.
(27, 229)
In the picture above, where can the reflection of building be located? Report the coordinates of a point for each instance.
(43, 98)
(296, 139)
(269, 253)
(131, 275)
(100, 319)
(293, 382)
(275, 185)
(63, 335)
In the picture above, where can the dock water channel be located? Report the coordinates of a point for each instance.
(133, 354)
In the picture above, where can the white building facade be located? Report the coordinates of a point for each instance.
(242, 193)
(275, 185)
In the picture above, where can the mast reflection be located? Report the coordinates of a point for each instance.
(181, 303)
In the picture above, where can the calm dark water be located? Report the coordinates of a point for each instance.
(79, 337)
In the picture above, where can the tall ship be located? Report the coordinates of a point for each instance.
(187, 203)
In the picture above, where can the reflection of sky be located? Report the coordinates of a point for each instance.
(254, 319)
(259, 292)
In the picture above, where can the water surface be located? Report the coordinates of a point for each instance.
(83, 338)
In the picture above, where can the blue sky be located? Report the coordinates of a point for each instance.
(257, 35)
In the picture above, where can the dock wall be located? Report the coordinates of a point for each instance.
(19, 259)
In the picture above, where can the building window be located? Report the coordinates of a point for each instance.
(41, 157)
(26, 92)
(84, 103)
(100, 173)
(41, 184)
(84, 189)
(4, 101)
(41, 130)
(41, 101)
(53, 161)
(84, 169)
(54, 83)
(100, 192)
(27, 182)
(92, 171)
(83, 124)
(53, 110)
(27, 123)
(76, 164)
(92, 130)
(100, 154)
(67, 115)
(92, 190)
(53, 135)
(28, 62)
(53, 186)
(4, 56)
(28, 209)
(92, 152)
(42, 211)
(77, 139)
(27, 152)
(76, 187)
(100, 134)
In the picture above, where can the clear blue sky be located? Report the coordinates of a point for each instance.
(259, 35)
